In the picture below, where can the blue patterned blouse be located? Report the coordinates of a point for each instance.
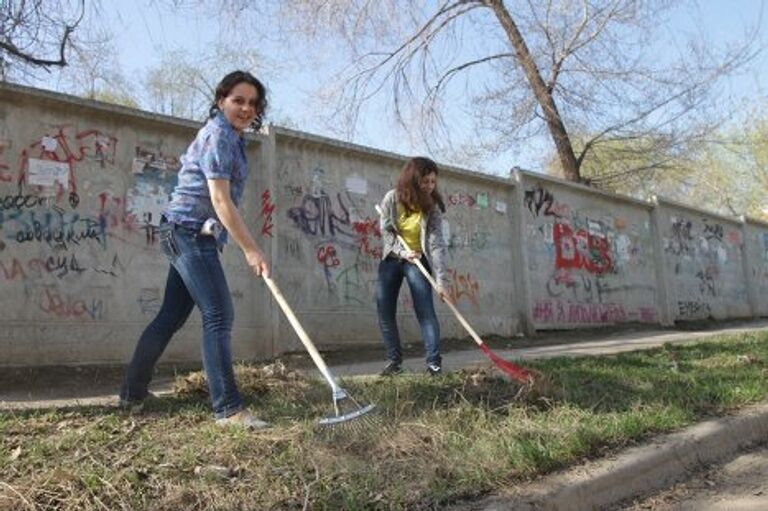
(217, 152)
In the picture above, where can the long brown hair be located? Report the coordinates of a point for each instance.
(408, 190)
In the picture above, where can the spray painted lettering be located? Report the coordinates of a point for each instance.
(267, 208)
(581, 249)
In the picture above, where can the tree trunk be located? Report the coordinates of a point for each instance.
(540, 89)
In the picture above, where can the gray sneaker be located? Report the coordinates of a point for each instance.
(135, 405)
(434, 370)
(243, 419)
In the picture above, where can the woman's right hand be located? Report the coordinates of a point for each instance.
(258, 262)
(413, 255)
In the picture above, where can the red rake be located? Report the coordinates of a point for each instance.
(516, 372)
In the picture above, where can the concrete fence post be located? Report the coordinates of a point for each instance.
(748, 264)
(664, 292)
(520, 255)
(269, 148)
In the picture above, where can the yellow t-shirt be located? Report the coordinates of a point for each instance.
(409, 226)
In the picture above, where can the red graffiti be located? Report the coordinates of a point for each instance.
(367, 230)
(113, 213)
(15, 271)
(69, 148)
(463, 286)
(267, 208)
(581, 250)
(69, 307)
(326, 255)
(4, 168)
(461, 199)
(547, 311)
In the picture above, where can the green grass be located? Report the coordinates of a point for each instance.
(437, 440)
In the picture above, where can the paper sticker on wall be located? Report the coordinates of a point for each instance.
(501, 207)
(47, 173)
(482, 200)
(49, 143)
(149, 196)
(356, 184)
(137, 167)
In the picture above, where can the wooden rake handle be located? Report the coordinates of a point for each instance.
(432, 281)
(305, 340)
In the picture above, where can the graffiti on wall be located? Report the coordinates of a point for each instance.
(587, 266)
(62, 199)
(705, 258)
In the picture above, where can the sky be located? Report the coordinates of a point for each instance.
(145, 29)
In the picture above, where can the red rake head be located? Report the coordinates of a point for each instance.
(515, 371)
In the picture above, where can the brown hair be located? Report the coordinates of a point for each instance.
(229, 82)
(409, 193)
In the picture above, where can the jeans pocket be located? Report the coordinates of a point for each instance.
(168, 245)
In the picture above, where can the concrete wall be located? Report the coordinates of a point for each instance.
(329, 244)
(589, 256)
(756, 254)
(80, 271)
(81, 185)
(704, 262)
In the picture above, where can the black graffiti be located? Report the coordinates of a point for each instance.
(681, 236)
(19, 201)
(60, 265)
(706, 281)
(693, 310)
(62, 235)
(74, 200)
(116, 264)
(316, 216)
(713, 231)
(537, 199)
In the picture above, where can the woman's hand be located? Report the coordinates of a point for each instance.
(257, 262)
(444, 296)
(413, 255)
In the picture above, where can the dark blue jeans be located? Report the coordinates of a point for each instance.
(196, 277)
(392, 271)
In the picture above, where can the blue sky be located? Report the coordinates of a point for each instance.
(144, 30)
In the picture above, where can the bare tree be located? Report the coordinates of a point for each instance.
(596, 68)
(37, 33)
(183, 85)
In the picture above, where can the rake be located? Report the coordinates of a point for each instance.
(346, 409)
(516, 372)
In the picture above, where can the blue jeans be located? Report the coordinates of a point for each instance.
(392, 271)
(196, 277)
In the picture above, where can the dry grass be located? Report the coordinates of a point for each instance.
(438, 440)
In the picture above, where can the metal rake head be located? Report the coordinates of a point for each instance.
(348, 414)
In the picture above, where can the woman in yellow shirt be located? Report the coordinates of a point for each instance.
(414, 210)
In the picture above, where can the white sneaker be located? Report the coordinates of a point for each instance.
(243, 419)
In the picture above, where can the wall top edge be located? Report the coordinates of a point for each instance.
(754, 221)
(679, 205)
(59, 98)
(528, 174)
(302, 137)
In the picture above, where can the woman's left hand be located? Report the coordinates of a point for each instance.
(444, 296)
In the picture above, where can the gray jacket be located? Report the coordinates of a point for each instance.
(432, 242)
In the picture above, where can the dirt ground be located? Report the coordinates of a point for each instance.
(737, 485)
